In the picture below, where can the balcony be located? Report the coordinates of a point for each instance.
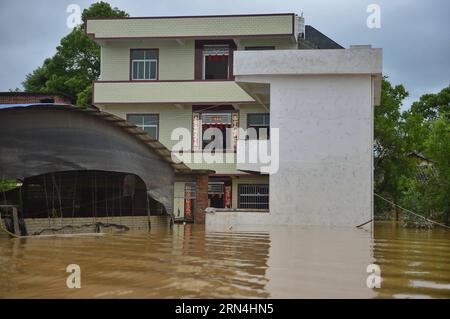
(169, 92)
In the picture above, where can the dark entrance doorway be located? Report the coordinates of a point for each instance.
(219, 192)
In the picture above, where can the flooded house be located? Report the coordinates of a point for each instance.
(259, 118)
(309, 100)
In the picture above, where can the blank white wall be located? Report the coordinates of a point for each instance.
(325, 149)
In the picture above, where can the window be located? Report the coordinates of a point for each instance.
(255, 48)
(215, 122)
(215, 188)
(254, 196)
(215, 62)
(148, 122)
(144, 64)
(261, 123)
(210, 126)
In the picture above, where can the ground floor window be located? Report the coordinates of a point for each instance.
(254, 196)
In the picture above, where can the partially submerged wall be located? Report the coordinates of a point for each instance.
(40, 226)
(58, 226)
(322, 102)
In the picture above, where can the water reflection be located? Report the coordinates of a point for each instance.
(414, 263)
(263, 262)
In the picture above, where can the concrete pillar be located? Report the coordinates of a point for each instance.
(15, 217)
(201, 198)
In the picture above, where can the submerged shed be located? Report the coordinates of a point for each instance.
(81, 162)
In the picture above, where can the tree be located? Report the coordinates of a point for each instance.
(438, 148)
(421, 116)
(391, 163)
(76, 62)
(424, 128)
(427, 128)
(6, 185)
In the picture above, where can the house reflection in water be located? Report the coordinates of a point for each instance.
(315, 262)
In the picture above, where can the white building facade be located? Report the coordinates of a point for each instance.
(322, 102)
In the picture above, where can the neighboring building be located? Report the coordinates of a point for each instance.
(424, 165)
(163, 73)
(420, 159)
(33, 97)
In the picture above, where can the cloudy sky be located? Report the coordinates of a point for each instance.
(414, 34)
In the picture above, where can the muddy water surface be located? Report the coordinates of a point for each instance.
(189, 262)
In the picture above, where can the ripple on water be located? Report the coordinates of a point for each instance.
(189, 262)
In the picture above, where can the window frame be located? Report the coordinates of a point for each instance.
(253, 184)
(231, 111)
(144, 60)
(204, 55)
(142, 127)
(268, 127)
(198, 57)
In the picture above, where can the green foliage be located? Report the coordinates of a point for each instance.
(6, 185)
(431, 196)
(76, 62)
(431, 106)
(421, 116)
(390, 149)
(424, 128)
(438, 147)
(84, 98)
(427, 130)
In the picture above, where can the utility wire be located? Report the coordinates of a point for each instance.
(411, 212)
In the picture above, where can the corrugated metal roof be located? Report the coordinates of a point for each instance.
(131, 129)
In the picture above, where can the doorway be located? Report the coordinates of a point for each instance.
(219, 192)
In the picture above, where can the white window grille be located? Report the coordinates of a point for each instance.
(254, 196)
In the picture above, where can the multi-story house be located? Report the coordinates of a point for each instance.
(165, 73)
(177, 72)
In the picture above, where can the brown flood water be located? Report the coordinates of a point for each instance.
(189, 262)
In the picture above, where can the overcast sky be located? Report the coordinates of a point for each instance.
(414, 34)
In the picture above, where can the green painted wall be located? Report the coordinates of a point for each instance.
(172, 116)
(176, 61)
(192, 27)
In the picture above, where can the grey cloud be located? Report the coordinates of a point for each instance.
(414, 34)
